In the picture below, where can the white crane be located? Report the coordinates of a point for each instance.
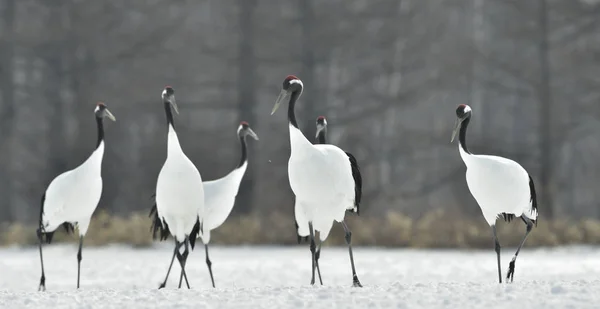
(500, 186)
(179, 195)
(219, 194)
(72, 197)
(301, 223)
(324, 179)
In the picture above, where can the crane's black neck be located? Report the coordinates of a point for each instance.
(100, 123)
(462, 137)
(321, 136)
(169, 114)
(244, 157)
(291, 108)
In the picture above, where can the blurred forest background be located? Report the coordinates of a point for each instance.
(388, 74)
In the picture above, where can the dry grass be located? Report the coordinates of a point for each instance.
(434, 230)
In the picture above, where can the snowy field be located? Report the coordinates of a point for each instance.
(278, 277)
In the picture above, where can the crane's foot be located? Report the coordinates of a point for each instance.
(511, 270)
(356, 283)
(161, 286)
(42, 286)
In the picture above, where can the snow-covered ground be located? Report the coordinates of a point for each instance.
(278, 277)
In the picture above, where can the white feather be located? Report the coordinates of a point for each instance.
(499, 185)
(321, 178)
(179, 190)
(219, 198)
(74, 195)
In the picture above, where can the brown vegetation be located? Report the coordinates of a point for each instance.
(433, 230)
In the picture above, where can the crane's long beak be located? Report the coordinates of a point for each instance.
(456, 127)
(251, 133)
(284, 93)
(109, 115)
(174, 104)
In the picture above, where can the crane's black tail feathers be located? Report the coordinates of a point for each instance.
(533, 199)
(46, 237)
(357, 183)
(194, 234)
(157, 225)
(508, 217)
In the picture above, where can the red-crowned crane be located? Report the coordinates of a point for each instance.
(325, 180)
(220, 194)
(501, 187)
(72, 197)
(179, 195)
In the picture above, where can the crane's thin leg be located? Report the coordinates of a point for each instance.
(42, 286)
(162, 285)
(317, 256)
(312, 251)
(497, 248)
(79, 259)
(209, 264)
(511, 266)
(355, 281)
(182, 261)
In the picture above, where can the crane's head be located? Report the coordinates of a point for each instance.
(168, 96)
(101, 111)
(291, 84)
(244, 130)
(463, 112)
(321, 125)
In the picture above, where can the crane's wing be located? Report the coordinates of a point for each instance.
(357, 183)
(219, 198)
(340, 172)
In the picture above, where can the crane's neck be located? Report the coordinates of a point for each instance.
(297, 140)
(173, 146)
(169, 114)
(292, 108)
(462, 136)
(100, 124)
(244, 157)
(321, 137)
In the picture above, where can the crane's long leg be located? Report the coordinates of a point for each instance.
(511, 266)
(355, 281)
(317, 256)
(497, 248)
(209, 264)
(162, 285)
(79, 259)
(312, 251)
(42, 286)
(182, 257)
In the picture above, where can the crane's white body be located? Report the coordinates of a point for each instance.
(499, 185)
(74, 195)
(219, 198)
(321, 178)
(179, 190)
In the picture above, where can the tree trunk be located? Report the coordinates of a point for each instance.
(7, 109)
(247, 97)
(545, 105)
(307, 74)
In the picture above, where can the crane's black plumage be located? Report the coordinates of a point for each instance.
(161, 228)
(357, 182)
(533, 196)
(158, 225)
